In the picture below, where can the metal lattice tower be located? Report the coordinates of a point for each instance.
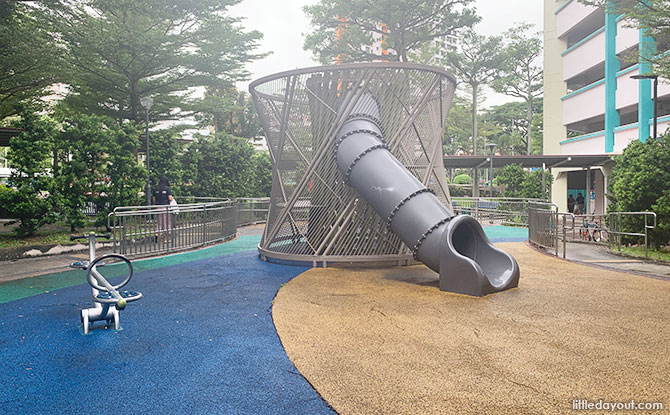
(314, 215)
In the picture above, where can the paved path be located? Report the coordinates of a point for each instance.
(597, 255)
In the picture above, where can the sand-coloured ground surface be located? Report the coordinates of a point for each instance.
(389, 342)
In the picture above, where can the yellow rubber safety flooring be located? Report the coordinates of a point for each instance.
(387, 341)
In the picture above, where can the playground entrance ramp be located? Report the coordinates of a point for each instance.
(358, 175)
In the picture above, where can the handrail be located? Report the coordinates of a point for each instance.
(543, 225)
(159, 229)
(616, 227)
(565, 215)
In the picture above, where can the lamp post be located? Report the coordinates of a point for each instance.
(147, 102)
(491, 146)
(655, 78)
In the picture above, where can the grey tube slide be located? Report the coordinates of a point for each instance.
(454, 246)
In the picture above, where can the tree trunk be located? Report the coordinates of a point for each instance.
(474, 119)
(134, 101)
(529, 143)
(475, 175)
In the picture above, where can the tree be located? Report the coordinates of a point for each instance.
(458, 130)
(476, 63)
(118, 51)
(31, 203)
(345, 30)
(639, 183)
(506, 125)
(518, 182)
(228, 111)
(511, 178)
(262, 175)
(28, 58)
(82, 157)
(125, 177)
(165, 151)
(521, 76)
(219, 166)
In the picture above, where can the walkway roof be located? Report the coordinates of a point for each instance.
(550, 161)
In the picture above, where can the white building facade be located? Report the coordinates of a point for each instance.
(591, 103)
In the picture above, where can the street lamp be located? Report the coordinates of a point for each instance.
(655, 78)
(147, 102)
(490, 147)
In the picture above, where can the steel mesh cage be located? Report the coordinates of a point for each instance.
(313, 214)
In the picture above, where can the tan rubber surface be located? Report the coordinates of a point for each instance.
(389, 342)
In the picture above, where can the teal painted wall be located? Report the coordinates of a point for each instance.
(645, 102)
(612, 66)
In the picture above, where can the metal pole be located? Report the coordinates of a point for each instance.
(146, 136)
(656, 108)
(646, 230)
(491, 185)
(544, 181)
(491, 175)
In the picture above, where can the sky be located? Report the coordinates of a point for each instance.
(284, 24)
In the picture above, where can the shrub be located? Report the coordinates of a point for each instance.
(640, 182)
(462, 179)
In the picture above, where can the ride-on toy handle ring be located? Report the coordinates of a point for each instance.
(92, 281)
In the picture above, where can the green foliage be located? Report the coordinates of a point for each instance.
(262, 174)
(512, 177)
(343, 30)
(458, 191)
(165, 152)
(518, 182)
(532, 184)
(521, 74)
(118, 51)
(476, 63)
(28, 58)
(639, 182)
(458, 131)
(30, 203)
(221, 166)
(80, 172)
(228, 111)
(462, 179)
(125, 177)
(95, 165)
(506, 125)
(4, 195)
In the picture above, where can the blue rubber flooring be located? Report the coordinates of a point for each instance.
(201, 341)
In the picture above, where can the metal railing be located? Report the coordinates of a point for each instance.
(500, 210)
(590, 228)
(150, 230)
(547, 227)
(543, 225)
(617, 227)
(252, 210)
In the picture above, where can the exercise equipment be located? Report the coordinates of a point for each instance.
(108, 299)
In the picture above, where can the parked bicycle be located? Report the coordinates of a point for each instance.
(592, 231)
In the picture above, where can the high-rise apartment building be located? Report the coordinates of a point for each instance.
(592, 105)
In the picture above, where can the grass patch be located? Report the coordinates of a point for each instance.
(50, 235)
(661, 255)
